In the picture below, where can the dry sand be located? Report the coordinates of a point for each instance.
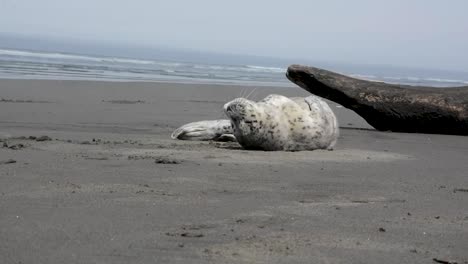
(110, 186)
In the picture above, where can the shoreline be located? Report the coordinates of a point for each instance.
(108, 185)
(168, 81)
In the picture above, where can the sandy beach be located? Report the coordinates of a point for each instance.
(89, 174)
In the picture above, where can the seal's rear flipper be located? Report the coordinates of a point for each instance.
(204, 130)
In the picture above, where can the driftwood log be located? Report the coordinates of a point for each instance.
(390, 107)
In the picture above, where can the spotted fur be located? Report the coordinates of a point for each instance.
(281, 123)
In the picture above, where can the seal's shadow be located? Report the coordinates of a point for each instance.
(235, 146)
(228, 145)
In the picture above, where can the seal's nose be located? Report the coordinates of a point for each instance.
(230, 107)
(227, 108)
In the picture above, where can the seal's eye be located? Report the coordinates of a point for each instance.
(235, 108)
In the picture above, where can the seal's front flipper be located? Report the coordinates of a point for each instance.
(226, 138)
(204, 130)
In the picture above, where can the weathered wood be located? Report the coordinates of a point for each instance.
(390, 107)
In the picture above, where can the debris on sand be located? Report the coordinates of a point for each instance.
(8, 161)
(14, 147)
(96, 158)
(139, 157)
(186, 234)
(460, 190)
(43, 138)
(124, 101)
(19, 146)
(3, 100)
(444, 261)
(164, 160)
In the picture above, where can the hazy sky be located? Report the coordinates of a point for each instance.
(430, 33)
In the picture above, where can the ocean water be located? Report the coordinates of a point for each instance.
(21, 64)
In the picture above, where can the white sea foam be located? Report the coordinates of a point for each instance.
(62, 56)
(265, 69)
(425, 80)
(364, 76)
(412, 80)
(446, 80)
(210, 67)
(120, 60)
(21, 53)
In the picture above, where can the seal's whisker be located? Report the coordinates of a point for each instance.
(247, 97)
(243, 92)
(255, 95)
(222, 115)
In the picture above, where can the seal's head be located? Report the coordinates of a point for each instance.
(246, 120)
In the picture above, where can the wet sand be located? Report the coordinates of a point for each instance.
(106, 184)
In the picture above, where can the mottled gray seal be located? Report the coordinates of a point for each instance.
(274, 123)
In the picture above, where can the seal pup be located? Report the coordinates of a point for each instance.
(274, 123)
